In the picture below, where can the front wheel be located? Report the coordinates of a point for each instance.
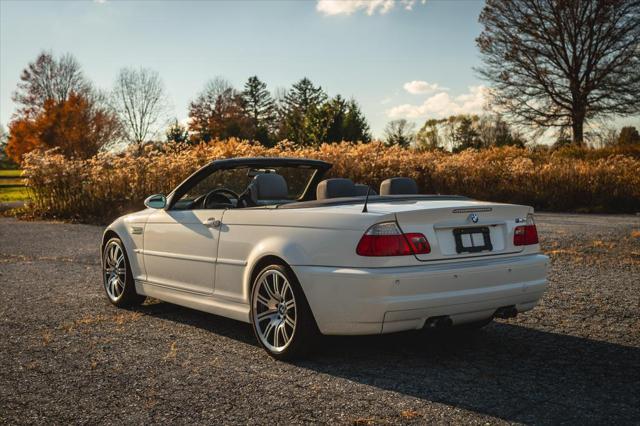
(280, 315)
(117, 277)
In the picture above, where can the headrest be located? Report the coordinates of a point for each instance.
(270, 186)
(398, 186)
(334, 188)
(361, 190)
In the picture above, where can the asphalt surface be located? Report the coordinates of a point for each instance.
(67, 355)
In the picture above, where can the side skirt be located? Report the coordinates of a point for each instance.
(194, 300)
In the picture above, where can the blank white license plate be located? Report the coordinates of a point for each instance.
(472, 240)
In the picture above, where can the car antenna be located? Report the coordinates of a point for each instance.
(366, 200)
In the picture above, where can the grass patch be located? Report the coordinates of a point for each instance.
(10, 173)
(13, 193)
(12, 186)
(11, 182)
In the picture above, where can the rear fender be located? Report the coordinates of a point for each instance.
(288, 251)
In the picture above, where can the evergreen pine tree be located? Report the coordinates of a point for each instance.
(259, 106)
(356, 128)
(302, 112)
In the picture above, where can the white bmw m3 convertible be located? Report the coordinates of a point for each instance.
(270, 242)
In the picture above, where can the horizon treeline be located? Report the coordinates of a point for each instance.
(304, 114)
(58, 107)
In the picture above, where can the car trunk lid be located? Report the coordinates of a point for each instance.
(468, 230)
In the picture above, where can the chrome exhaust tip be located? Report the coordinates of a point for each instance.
(438, 322)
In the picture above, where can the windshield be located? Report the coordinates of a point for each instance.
(224, 188)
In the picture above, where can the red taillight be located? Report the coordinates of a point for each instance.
(526, 235)
(418, 243)
(383, 245)
(386, 239)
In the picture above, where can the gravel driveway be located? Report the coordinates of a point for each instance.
(69, 356)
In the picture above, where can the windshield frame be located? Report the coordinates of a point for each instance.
(320, 167)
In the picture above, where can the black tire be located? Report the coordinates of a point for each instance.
(124, 295)
(305, 334)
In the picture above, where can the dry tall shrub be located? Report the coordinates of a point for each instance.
(107, 185)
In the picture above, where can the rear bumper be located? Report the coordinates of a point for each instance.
(385, 300)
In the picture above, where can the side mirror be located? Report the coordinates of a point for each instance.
(156, 201)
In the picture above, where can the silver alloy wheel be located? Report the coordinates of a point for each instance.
(274, 310)
(115, 270)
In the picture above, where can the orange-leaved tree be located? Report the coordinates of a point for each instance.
(79, 126)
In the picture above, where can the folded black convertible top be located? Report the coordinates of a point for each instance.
(372, 200)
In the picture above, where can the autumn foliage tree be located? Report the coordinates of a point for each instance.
(58, 107)
(78, 126)
(217, 112)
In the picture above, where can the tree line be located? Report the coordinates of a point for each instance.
(303, 114)
(550, 63)
(455, 133)
(469, 131)
(59, 107)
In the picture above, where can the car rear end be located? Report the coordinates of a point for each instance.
(456, 263)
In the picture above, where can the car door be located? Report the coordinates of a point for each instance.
(181, 248)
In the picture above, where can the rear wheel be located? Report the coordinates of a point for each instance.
(280, 315)
(117, 276)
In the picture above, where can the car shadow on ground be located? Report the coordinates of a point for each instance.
(506, 370)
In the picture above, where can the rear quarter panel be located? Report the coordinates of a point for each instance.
(299, 237)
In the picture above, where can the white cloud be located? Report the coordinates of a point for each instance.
(408, 4)
(418, 87)
(100, 1)
(443, 105)
(371, 7)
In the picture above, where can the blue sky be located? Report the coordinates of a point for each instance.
(398, 59)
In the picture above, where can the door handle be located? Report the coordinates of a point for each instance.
(212, 222)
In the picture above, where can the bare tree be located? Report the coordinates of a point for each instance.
(562, 62)
(141, 103)
(49, 78)
(399, 132)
